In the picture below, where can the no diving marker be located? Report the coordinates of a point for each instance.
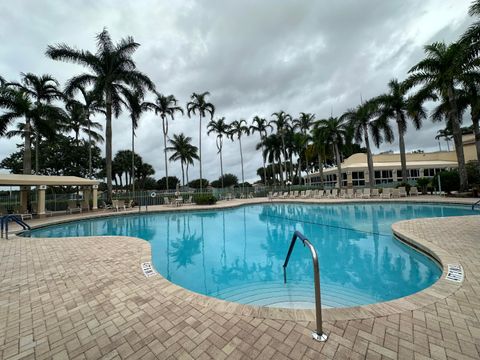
(148, 269)
(455, 273)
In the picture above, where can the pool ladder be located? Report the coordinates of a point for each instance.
(4, 220)
(318, 334)
(476, 204)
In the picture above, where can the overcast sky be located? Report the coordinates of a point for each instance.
(254, 57)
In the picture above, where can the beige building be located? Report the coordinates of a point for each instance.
(387, 167)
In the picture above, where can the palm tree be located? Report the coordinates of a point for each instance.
(221, 128)
(17, 103)
(42, 90)
(282, 122)
(261, 126)
(165, 106)
(272, 151)
(443, 67)
(334, 130)
(470, 95)
(361, 120)
(395, 105)
(91, 104)
(304, 122)
(184, 151)
(199, 103)
(113, 73)
(319, 143)
(238, 128)
(78, 123)
(445, 134)
(135, 105)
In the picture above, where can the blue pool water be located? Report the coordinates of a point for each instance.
(237, 254)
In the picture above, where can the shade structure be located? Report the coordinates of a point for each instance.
(36, 180)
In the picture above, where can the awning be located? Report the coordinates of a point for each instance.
(35, 180)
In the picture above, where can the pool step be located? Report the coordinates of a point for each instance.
(292, 295)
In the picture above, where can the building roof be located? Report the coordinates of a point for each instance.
(33, 180)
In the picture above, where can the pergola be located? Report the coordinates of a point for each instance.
(89, 187)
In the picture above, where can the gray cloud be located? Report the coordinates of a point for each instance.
(254, 57)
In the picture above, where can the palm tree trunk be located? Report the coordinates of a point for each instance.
(133, 160)
(320, 168)
(476, 131)
(371, 173)
(87, 117)
(187, 174)
(221, 165)
(339, 165)
(280, 170)
(457, 139)
(183, 173)
(264, 165)
(403, 156)
(108, 144)
(165, 130)
(241, 161)
(200, 151)
(37, 152)
(27, 152)
(284, 151)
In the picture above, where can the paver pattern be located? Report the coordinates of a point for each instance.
(87, 298)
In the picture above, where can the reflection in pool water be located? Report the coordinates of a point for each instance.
(237, 254)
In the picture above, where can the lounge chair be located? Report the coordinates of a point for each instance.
(189, 201)
(166, 201)
(302, 194)
(333, 194)
(129, 205)
(326, 194)
(270, 194)
(73, 207)
(350, 193)
(250, 195)
(375, 193)
(319, 194)
(402, 191)
(306, 194)
(285, 195)
(413, 191)
(395, 193)
(274, 195)
(386, 193)
(118, 205)
(343, 194)
(22, 215)
(106, 206)
(366, 193)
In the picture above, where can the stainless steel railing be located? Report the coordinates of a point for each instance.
(476, 204)
(318, 334)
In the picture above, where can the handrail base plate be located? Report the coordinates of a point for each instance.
(319, 337)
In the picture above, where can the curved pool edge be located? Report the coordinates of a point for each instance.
(438, 291)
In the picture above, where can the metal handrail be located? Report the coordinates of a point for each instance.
(477, 203)
(318, 334)
(4, 220)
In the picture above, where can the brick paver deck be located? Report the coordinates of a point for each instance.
(86, 298)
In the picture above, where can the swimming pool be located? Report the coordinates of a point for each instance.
(237, 254)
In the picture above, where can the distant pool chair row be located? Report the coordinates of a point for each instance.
(366, 193)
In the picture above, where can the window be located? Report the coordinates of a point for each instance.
(430, 172)
(358, 178)
(331, 180)
(344, 179)
(412, 174)
(383, 176)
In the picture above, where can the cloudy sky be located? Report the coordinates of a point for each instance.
(255, 57)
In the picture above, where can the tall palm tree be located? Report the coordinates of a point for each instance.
(78, 123)
(304, 123)
(443, 68)
(42, 90)
(221, 128)
(282, 122)
(335, 130)
(361, 120)
(395, 105)
(91, 104)
(136, 106)
(237, 129)
(165, 106)
(184, 151)
(319, 143)
(112, 72)
(200, 104)
(272, 151)
(445, 134)
(17, 103)
(261, 126)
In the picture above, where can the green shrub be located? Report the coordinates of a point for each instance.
(449, 181)
(204, 199)
(422, 184)
(473, 172)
